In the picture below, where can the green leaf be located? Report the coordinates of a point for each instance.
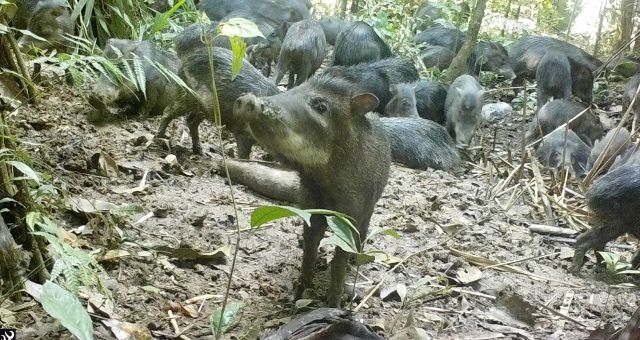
(33, 217)
(334, 240)
(364, 258)
(303, 303)
(230, 314)
(386, 231)
(26, 171)
(161, 20)
(239, 27)
(238, 46)
(266, 214)
(329, 213)
(391, 232)
(140, 76)
(344, 229)
(67, 309)
(630, 271)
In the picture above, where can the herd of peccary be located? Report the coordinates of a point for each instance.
(335, 130)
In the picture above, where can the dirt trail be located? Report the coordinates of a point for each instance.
(433, 211)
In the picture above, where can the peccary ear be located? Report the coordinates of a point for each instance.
(364, 103)
(58, 11)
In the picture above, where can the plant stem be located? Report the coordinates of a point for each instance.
(218, 122)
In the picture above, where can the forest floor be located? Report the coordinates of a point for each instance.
(174, 255)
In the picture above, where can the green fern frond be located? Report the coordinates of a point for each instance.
(138, 68)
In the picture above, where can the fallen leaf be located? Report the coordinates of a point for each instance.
(468, 275)
(127, 331)
(113, 255)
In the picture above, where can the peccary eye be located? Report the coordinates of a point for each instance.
(319, 105)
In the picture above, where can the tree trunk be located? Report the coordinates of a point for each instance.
(625, 23)
(459, 63)
(561, 10)
(343, 8)
(574, 11)
(506, 15)
(354, 6)
(636, 44)
(596, 47)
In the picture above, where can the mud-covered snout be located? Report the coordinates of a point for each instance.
(248, 107)
(507, 72)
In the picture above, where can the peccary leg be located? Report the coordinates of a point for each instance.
(193, 122)
(312, 236)
(266, 178)
(635, 261)
(292, 77)
(171, 113)
(338, 272)
(304, 73)
(244, 145)
(595, 238)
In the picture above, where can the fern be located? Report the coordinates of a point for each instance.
(140, 76)
(78, 267)
(58, 268)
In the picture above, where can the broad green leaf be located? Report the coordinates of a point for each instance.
(239, 27)
(344, 230)
(26, 170)
(334, 240)
(364, 259)
(67, 309)
(266, 214)
(48, 225)
(238, 46)
(32, 218)
(303, 303)
(230, 314)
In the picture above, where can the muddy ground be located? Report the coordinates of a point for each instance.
(439, 216)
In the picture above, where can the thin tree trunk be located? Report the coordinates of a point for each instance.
(636, 44)
(343, 8)
(506, 15)
(561, 9)
(459, 63)
(596, 47)
(354, 6)
(574, 11)
(625, 23)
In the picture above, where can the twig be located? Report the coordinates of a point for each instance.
(522, 260)
(553, 311)
(376, 287)
(547, 229)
